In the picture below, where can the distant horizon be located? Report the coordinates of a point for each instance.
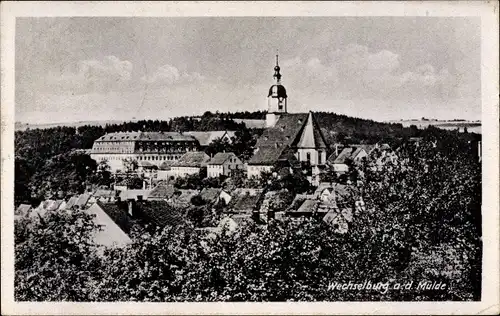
(198, 115)
(71, 69)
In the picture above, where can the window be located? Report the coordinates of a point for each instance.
(298, 156)
(320, 155)
(308, 155)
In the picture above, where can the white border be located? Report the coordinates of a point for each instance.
(488, 11)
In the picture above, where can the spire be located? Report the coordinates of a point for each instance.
(277, 68)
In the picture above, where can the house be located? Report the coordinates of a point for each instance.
(161, 192)
(205, 138)
(307, 208)
(340, 162)
(160, 213)
(327, 192)
(151, 147)
(245, 200)
(114, 224)
(226, 197)
(183, 197)
(223, 164)
(190, 163)
(211, 195)
(134, 194)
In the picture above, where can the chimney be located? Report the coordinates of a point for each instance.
(130, 204)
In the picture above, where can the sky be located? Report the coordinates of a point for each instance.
(382, 68)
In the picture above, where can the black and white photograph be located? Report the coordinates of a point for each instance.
(228, 158)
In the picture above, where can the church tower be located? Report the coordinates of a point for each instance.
(276, 98)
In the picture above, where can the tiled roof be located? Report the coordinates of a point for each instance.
(290, 130)
(220, 158)
(166, 165)
(308, 206)
(192, 159)
(252, 123)
(284, 132)
(266, 156)
(118, 212)
(344, 154)
(145, 136)
(161, 213)
(210, 194)
(162, 192)
(245, 199)
(205, 138)
(184, 196)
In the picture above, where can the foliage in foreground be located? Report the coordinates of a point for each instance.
(421, 222)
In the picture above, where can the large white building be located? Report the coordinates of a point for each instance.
(153, 147)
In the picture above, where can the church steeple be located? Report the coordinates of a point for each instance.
(277, 68)
(277, 97)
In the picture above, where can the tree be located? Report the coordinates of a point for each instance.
(55, 257)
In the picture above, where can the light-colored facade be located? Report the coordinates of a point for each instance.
(224, 164)
(189, 164)
(152, 147)
(254, 171)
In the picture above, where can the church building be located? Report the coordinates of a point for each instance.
(289, 138)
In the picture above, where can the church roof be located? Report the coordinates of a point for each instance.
(291, 130)
(311, 136)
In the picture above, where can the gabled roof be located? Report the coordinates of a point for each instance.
(210, 194)
(161, 213)
(162, 192)
(220, 158)
(114, 223)
(308, 206)
(192, 159)
(284, 132)
(184, 196)
(311, 135)
(205, 138)
(291, 130)
(343, 156)
(118, 213)
(245, 199)
(266, 156)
